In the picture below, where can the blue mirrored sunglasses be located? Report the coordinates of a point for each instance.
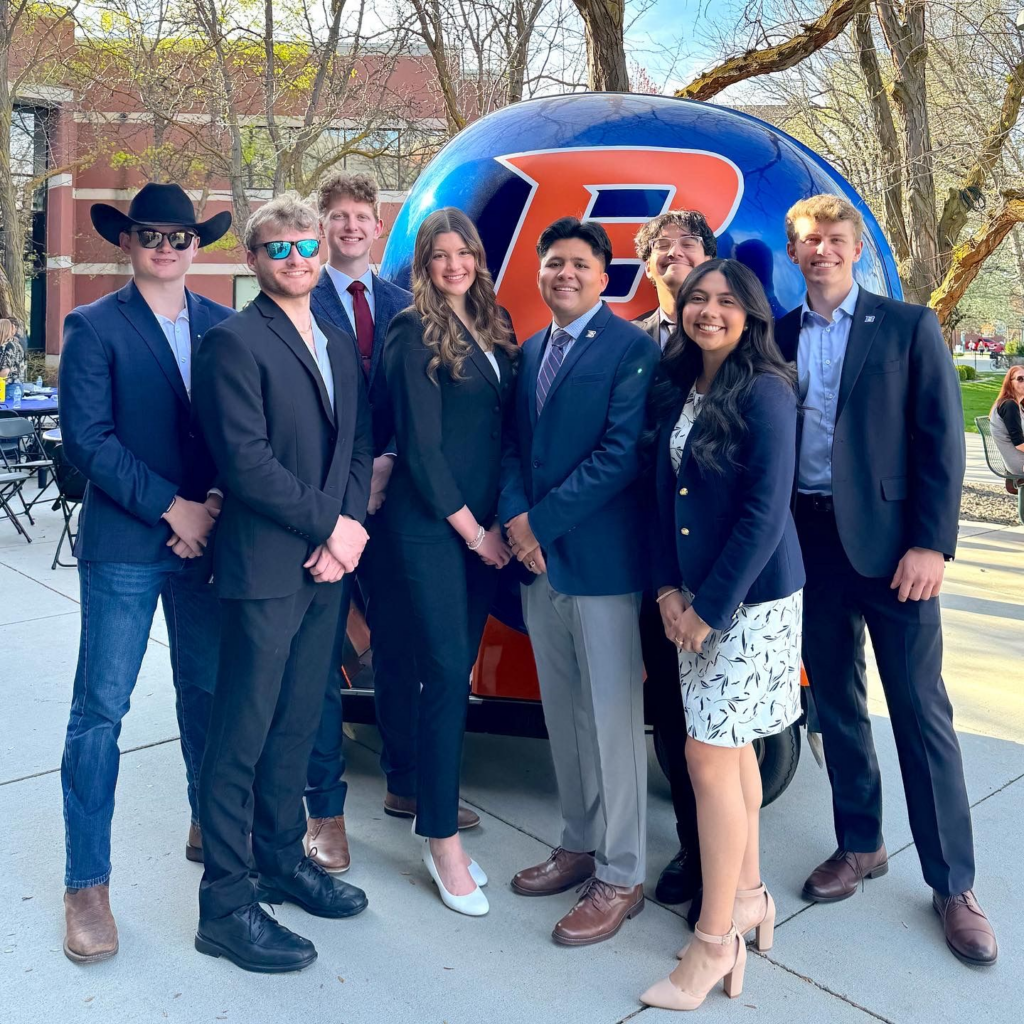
(279, 250)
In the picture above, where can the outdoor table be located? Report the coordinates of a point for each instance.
(37, 408)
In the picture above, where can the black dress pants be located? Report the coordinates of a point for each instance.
(443, 596)
(907, 640)
(274, 657)
(664, 701)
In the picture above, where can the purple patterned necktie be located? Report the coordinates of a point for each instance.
(552, 361)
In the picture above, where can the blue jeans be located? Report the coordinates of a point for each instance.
(118, 604)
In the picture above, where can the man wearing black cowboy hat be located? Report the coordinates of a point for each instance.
(125, 390)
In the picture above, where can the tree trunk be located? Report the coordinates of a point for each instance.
(775, 58)
(12, 228)
(429, 15)
(968, 258)
(604, 21)
(888, 138)
(906, 42)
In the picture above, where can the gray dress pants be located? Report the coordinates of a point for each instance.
(587, 651)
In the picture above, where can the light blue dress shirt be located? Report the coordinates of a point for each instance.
(819, 361)
(178, 333)
(341, 282)
(574, 330)
(323, 359)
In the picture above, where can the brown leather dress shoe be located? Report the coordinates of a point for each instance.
(599, 913)
(90, 932)
(405, 807)
(563, 870)
(194, 844)
(968, 933)
(838, 877)
(327, 844)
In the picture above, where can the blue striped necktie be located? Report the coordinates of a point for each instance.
(552, 361)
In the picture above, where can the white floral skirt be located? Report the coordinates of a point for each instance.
(745, 683)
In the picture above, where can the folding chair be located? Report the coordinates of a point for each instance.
(15, 469)
(70, 491)
(1014, 484)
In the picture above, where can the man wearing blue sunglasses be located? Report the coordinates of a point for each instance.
(283, 407)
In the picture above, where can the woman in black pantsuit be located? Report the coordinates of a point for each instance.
(449, 365)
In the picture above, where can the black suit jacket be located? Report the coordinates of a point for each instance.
(288, 465)
(448, 433)
(650, 322)
(898, 454)
(388, 300)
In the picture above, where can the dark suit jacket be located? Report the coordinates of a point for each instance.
(288, 465)
(650, 324)
(388, 300)
(739, 544)
(125, 423)
(898, 455)
(448, 433)
(575, 468)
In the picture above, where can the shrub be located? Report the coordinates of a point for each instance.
(967, 373)
(1013, 348)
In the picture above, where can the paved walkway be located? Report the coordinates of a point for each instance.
(407, 960)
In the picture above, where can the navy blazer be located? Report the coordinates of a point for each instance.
(388, 301)
(289, 464)
(729, 536)
(898, 454)
(125, 421)
(575, 468)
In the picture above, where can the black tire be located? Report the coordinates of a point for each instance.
(777, 757)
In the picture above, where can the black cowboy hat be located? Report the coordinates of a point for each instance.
(155, 205)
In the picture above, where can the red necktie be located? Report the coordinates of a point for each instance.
(364, 323)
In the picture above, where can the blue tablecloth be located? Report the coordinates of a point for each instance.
(33, 407)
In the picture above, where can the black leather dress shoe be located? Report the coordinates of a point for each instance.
(681, 879)
(313, 889)
(251, 939)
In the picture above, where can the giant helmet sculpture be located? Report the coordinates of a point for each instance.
(621, 159)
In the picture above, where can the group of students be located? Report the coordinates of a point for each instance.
(705, 495)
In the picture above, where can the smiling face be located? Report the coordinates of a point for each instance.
(162, 263)
(1017, 384)
(674, 254)
(712, 316)
(292, 277)
(451, 265)
(825, 251)
(350, 229)
(571, 279)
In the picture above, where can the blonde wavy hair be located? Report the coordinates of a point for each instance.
(442, 332)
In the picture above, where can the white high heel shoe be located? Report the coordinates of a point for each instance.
(476, 872)
(473, 904)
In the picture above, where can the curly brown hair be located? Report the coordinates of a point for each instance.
(692, 222)
(442, 332)
(340, 184)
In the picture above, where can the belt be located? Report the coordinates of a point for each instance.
(815, 503)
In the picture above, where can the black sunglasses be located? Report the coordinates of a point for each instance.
(279, 250)
(151, 239)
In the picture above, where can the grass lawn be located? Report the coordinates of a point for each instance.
(978, 396)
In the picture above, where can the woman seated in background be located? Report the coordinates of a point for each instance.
(449, 362)
(728, 573)
(1005, 421)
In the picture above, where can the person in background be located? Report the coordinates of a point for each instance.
(880, 473)
(572, 506)
(1005, 421)
(728, 573)
(449, 362)
(13, 354)
(126, 384)
(671, 245)
(282, 403)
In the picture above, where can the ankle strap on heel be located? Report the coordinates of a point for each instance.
(749, 893)
(717, 940)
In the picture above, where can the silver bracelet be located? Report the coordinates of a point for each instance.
(478, 540)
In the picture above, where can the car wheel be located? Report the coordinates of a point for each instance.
(777, 757)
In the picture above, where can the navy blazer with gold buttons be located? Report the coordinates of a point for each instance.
(728, 536)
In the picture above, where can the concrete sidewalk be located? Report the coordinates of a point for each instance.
(877, 957)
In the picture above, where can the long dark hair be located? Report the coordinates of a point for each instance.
(719, 430)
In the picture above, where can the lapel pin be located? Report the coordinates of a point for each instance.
(869, 319)
(591, 334)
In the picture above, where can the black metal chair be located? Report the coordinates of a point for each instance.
(70, 491)
(18, 448)
(1014, 484)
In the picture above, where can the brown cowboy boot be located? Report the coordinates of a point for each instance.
(91, 934)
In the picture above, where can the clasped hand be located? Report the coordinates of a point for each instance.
(191, 523)
(683, 626)
(524, 544)
(338, 554)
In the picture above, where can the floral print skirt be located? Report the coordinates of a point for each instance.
(745, 683)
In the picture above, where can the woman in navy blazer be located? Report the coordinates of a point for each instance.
(728, 572)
